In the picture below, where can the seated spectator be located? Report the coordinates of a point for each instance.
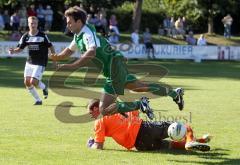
(135, 37)
(97, 23)
(104, 24)
(201, 40)
(167, 26)
(113, 37)
(147, 38)
(190, 39)
(179, 27)
(172, 27)
(161, 31)
(113, 24)
(14, 21)
(90, 19)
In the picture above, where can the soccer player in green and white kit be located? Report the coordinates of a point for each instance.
(115, 70)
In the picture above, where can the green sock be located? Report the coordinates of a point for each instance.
(128, 106)
(172, 93)
(162, 90)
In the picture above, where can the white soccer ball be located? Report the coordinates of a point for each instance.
(177, 131)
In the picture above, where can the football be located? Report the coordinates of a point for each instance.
(177, 131)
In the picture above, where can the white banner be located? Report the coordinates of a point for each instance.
(161, 51)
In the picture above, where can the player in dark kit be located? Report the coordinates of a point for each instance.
(38, 45)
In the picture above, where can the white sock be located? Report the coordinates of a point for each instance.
(41, 85)
(34, 93)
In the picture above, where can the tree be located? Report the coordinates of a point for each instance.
(137, 12)
(194, 9)
(210, 8)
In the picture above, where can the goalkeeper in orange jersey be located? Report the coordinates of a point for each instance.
(133, 132)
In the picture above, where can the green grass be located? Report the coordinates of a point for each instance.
(33, 135)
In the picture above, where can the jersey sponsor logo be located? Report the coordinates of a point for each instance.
(35, 39)
(33, 47)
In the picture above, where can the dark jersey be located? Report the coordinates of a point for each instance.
(37, 47)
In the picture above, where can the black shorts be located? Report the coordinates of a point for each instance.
(151, 135)
(149, 45)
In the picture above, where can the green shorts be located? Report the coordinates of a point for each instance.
(115, 84)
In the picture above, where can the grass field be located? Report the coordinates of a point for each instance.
(34, 135)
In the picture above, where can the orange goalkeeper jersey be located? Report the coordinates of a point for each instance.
(123, 130)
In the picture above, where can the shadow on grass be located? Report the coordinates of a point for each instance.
(217, 154)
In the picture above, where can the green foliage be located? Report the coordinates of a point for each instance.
(99, 3)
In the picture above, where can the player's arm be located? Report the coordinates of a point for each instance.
(14, 50)
(97, 145)
(94, 145)
(82, 61)
(61, 56)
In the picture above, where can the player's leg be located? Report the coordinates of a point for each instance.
(189, 143)
(192, 144)
(115, 86)
(37, 79)
(157, 89)
(109, 106)
(28, 83)
(111, 91)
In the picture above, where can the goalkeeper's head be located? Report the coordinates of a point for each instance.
(93, 108)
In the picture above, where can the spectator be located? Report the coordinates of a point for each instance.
(102, 11)
(48, 18)
(41, 17)
(104, 24)
(167, 26)
(23, 18)
(6, 19)
(113, 24)
(147, 38)
(202, 40)
(190, 39)
(92, 11)
(172, 27)
(227, 22)
(161, 31)
(90, 19)
(2, 23)
(113, 37)
(31, 11)
(135, 37)
(179, 27)
(14, 21)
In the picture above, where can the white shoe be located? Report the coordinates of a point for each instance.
(179, 99)
(196, 146)
(145, 108)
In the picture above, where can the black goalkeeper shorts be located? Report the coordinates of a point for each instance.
(151, 135)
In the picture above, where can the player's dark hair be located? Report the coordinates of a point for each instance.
(77, 13)
(93, 103)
